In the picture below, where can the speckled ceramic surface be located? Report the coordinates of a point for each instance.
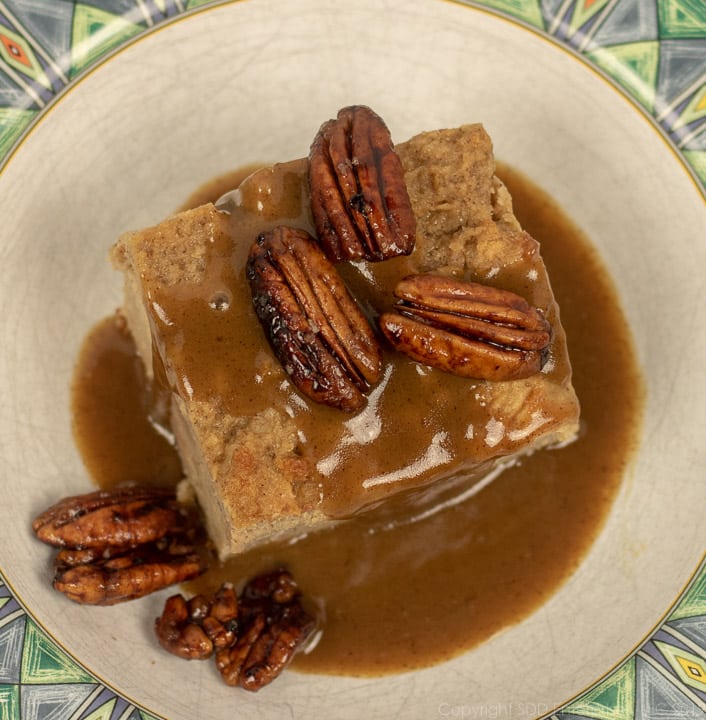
(109, 110)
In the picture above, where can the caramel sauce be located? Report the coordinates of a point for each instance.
(116, 419)
(410, 595)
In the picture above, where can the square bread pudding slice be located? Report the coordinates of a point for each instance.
(400, 371)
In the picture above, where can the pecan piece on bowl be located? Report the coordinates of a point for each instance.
(316, 329)
(359, 198)
(274, 626)
(123, 517)
(122, 544)
(128, 576)
(467, 328)
(254, 636)
(193, 629)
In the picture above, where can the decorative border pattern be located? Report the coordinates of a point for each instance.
(664, 678)
(39, 680)
(654, 50)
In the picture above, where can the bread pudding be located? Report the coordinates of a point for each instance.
(267, 459)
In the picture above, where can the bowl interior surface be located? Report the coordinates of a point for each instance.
(252, 82)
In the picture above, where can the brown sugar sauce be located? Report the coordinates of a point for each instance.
(409, 595)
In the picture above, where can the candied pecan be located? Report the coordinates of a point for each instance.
(467, 328)
(316, 329)
(178, 634)
(275, 646)
(278, 586)
(124, 517)
(193, 629)
(359, 198)
(127, 576)
(254, 637)
(230, 661)
(275, 626)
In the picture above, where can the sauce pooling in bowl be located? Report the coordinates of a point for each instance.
(408, 595)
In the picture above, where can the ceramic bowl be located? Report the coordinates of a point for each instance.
(246, 82)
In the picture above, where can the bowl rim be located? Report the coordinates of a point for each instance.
(700, 572)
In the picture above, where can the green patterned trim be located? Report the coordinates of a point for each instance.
(95, 33)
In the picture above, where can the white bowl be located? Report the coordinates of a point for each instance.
(249, 82)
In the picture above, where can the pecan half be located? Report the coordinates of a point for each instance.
(128, 576)
(123, 517)
(275, 626)
(466, 328)
(359, 198)
(121, 544)
(316, 329)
